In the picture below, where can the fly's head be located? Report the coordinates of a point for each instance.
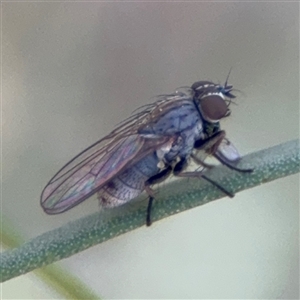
(212, 100)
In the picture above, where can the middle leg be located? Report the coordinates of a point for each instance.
(179, 172)
(160, 177)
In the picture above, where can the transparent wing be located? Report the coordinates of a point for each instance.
(89, 171)
(85, 174)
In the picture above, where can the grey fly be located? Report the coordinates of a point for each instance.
(158, 140)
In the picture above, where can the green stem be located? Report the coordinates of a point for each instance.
(174, 197)
(57, 278)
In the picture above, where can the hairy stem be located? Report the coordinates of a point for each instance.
(174, 197)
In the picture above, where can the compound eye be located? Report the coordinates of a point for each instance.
(213, 108)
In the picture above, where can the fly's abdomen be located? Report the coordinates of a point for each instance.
(129, 184)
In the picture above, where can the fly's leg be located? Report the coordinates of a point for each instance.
(182, 164)
(229, 165)
(210, 146)
(201, 163)
(161, 176)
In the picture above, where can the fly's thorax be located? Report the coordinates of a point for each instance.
(166, 148)
(173, 121)
(182, 145)
(182, 124)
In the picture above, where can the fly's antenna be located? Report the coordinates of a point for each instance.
(230, 101)
(225, 85)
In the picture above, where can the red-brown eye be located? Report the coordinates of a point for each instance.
(213, 107)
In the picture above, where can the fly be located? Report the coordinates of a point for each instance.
(158, 140)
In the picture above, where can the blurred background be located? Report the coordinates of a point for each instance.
(72, 71)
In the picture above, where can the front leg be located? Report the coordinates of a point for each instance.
(210, 145)
(228, 155)
(222, 149)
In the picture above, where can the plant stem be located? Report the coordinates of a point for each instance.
(174, 197)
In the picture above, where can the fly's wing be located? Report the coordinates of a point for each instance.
(91, 169)
(85, 174)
